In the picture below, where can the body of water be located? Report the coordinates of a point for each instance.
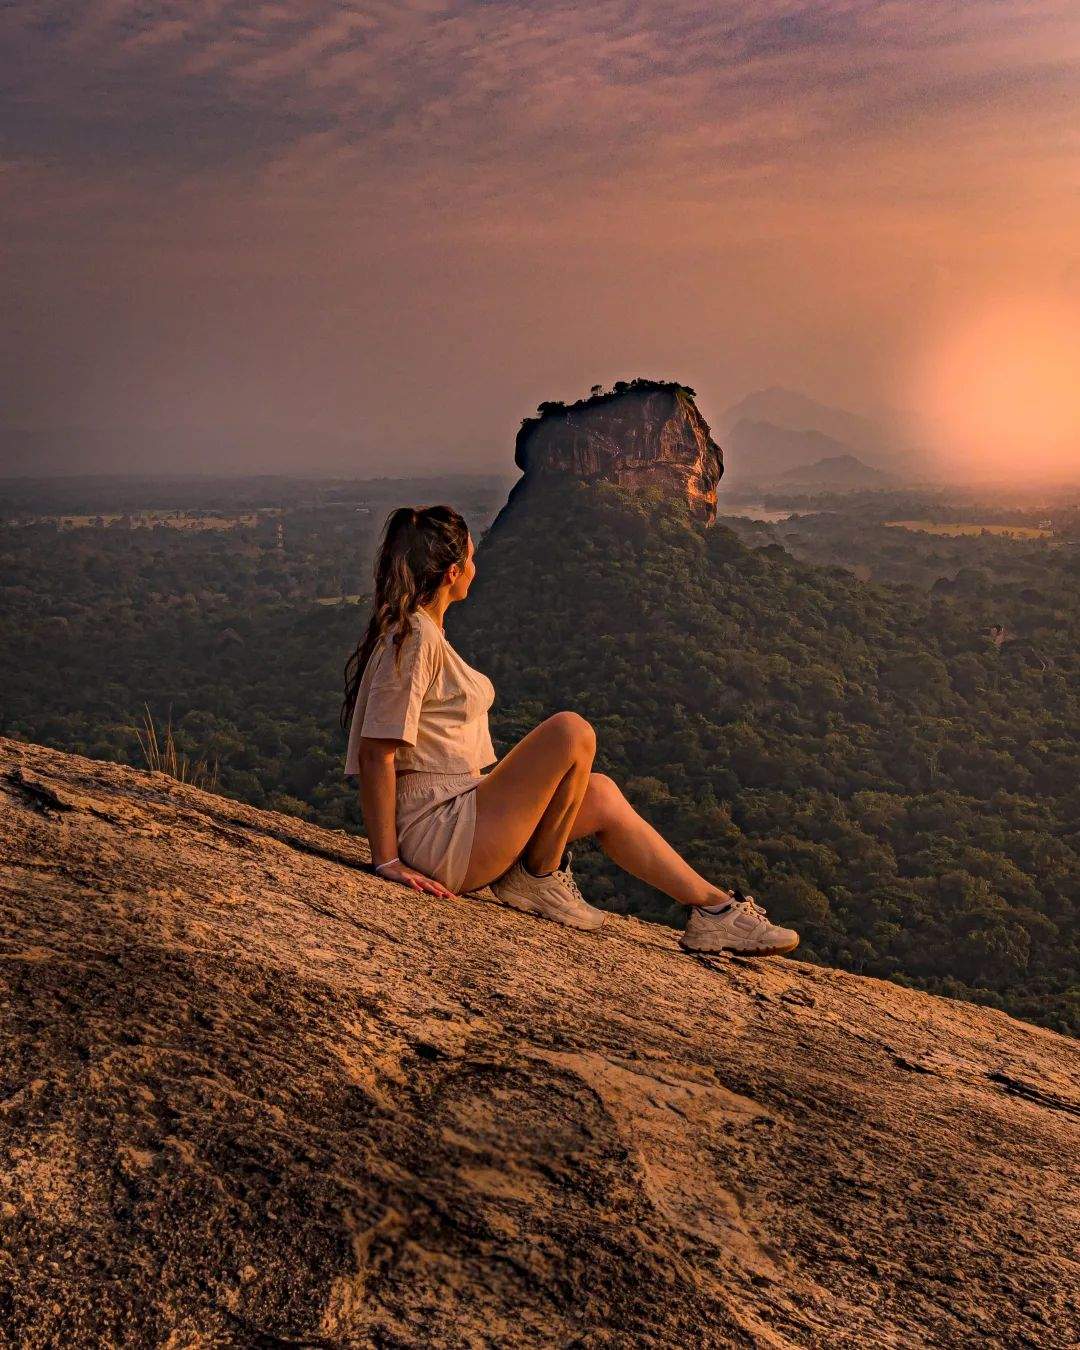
(753, 511)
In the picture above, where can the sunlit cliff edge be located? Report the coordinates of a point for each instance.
(250, 1094)
(641, 433)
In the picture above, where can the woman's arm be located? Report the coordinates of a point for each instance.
(378, 781)
(378, 802)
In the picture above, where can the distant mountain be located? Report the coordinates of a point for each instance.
(773, 430)
(788, 409)
(762, 451)
(842, 471)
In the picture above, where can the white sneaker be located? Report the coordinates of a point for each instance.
(741, 927)
(554, 897)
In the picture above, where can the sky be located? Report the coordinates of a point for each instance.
(374, 236)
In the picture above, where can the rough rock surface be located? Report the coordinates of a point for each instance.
(252, 1095)
(641, 438)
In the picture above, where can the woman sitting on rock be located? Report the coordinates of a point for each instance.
(417, 716)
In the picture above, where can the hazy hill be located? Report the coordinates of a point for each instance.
(838, 471)
(252, 1095)
(787, 408)
(775, 429)
(762, 452)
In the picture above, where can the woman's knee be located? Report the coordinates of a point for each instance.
(602, 807)
(607, 798)
(576, 734)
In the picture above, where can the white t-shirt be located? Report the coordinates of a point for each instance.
(433, 701)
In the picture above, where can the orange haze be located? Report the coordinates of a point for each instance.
(998, 391)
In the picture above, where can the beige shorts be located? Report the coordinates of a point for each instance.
(436, 821)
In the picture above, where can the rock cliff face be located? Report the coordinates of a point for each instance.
(642, 437)
(252, 1095)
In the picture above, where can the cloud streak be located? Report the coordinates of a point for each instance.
(496, 83)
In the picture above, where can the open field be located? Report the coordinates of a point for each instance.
(145, 520)
(935, 527)
(752, 511)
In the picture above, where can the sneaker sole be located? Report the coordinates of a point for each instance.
(527, 907)
(739, 951)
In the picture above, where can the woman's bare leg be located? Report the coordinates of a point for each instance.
(527, 804)
(631, 842)
(543, 794)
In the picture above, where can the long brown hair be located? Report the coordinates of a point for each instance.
(416, 548)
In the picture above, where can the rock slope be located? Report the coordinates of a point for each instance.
(252, 1095)
(648, 436)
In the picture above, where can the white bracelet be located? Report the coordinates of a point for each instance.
(387, 863)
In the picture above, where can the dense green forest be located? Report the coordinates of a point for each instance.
(862, 758)
(852, 531)
(866, 759)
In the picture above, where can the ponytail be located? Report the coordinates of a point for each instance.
(415, 551)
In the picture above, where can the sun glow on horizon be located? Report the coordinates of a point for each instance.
(997, 394)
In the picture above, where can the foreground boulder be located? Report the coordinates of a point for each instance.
(252, 1095)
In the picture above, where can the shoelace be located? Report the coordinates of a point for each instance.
(747, 902)
(567, 878)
